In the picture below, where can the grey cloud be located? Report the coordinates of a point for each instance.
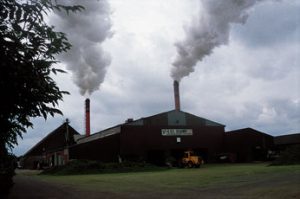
(280, 117)
(272, 23)
(276, 64)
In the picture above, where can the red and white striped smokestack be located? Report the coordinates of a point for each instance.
(176, 95)
(87, 117)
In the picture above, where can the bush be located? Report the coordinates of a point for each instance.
(288, 157)
(92, 167)
(7, 171)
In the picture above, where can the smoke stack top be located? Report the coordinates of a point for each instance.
(176, 95)
(208, 30)
(87, 117)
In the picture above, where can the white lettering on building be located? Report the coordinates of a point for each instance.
(176, 132)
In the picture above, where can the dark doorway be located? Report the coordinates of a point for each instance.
(177, 153)
(202, 152)
(258, 153)
(156, 157)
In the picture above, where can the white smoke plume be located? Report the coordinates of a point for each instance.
(86, 31)
(210, 29)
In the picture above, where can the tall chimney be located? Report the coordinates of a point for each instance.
(176, 95)
(87, 117)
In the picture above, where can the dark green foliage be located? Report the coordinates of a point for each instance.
(288, 157)
(7, 171)
(93, 167)
(27, 49)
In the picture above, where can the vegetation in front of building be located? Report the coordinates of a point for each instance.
(28, 46)
(7, 171)
(76, 167)
(289, 156)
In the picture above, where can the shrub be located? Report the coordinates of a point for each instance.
(7, 171)
(290, 156)
(91, 167)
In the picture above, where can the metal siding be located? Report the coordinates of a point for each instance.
(211, 123)
(244, 141)
(199, 121)
(194, 121)
(96, 136)
(139, 122)
(105, 149)
(156, 120)
(54, 141)
(287, 139)
(176, 118)
(138, 140)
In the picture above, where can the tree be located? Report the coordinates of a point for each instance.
(27, 49)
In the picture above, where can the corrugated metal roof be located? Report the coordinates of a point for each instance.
(174, 118)
(61, 130)
(170, 118)
(287, 139)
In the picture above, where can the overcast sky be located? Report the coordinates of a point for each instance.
(253, 81)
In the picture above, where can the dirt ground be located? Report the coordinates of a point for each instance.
(276, 186)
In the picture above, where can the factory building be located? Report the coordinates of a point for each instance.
(153, 139)
(284, 142)
(51, 150)
(248, 145)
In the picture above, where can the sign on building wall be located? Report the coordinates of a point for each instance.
(176, 132)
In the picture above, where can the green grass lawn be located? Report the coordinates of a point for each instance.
(256, 180)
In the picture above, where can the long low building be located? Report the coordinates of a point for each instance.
(52, 150)
(248, 145)
(153, 139)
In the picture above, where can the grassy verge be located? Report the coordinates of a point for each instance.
(226, 176)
